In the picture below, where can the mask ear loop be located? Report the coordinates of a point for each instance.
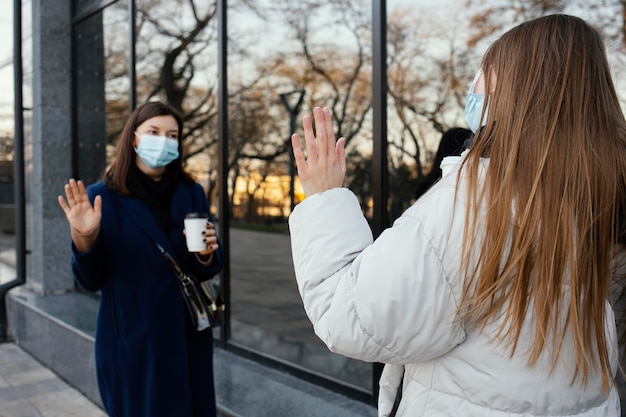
(476, 77)
(137, 136)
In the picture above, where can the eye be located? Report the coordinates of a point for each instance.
(173, 136)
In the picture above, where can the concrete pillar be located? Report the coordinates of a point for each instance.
(50, 163)
(48, 141)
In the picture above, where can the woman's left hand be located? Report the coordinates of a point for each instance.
(325, 165)
(205, 257)
(210, 239)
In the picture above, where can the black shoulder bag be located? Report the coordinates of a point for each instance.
(205, 305)
(203, 300)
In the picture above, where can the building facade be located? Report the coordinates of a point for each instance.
(242, 77)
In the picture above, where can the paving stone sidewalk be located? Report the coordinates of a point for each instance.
(29, 389)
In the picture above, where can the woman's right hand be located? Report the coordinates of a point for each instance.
(84, 219)
(325, 165)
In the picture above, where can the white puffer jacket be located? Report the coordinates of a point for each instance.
(394, 301)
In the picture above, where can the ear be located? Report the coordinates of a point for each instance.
(492, 80)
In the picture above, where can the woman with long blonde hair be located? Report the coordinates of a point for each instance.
(491, 295)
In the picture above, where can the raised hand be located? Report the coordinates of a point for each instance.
(84, 219)
(325, 165)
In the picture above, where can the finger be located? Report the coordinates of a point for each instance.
(320, 131)
(63, 204)
(97, 204)
(328, 127)
(73, 195)
(209, 249)
(298, 155)
(69, 194)
(82, 192)
(340, 151)
(309, 138)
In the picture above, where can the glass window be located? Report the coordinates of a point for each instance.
(284, 59)
(27, 61)
(117, 88)
(89, 86)
(7, 132)
(434, 50)
(428, 68)
(177, 63)
(102, 87)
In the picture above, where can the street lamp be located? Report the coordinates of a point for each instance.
(293, 114)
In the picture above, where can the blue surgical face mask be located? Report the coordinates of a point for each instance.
(474, 107)
(157, 151)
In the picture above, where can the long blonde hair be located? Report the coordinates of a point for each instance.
(553, 195)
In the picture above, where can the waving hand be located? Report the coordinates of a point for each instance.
(84, 219)
(325, 165)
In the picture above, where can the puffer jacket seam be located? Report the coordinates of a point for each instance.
(432, 390)
(445, 276)
(439, 257)
(368, 334)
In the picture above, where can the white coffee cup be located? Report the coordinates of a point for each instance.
(195, 225)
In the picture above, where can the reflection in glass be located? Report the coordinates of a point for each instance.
(7, 132)
(434, 49)
(427, 67)
(89, 84)
(176, 63)
(27, 55)
(282, 49)
(116, 68)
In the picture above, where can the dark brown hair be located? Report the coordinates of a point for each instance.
(115, 175)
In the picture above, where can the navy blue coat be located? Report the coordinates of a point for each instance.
(149, 360)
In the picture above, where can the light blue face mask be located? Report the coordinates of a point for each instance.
(474, 107)
(157, 151)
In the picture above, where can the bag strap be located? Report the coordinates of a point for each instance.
(184, 279)
(172, 263)
(155, 235)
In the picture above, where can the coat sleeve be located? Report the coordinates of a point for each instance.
(384, 301)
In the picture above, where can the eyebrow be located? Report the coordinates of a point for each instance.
(157, 128)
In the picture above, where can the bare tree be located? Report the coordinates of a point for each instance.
(332, 61)
(429, 69)
(492, 17)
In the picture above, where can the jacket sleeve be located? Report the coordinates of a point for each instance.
(385, 301)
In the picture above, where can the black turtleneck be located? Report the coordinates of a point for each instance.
(157, 195)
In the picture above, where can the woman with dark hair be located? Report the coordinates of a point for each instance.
(150, 361)
(491, 295)
(452, 143)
